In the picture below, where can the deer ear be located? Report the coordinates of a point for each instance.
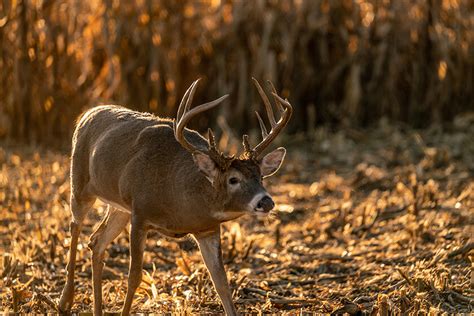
(272, 162)
(206, 165)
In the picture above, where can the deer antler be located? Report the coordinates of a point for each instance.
(184, 115)
(284, 108)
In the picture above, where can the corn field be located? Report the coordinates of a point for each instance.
(340, 63)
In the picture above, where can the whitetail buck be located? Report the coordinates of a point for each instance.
(157, 174)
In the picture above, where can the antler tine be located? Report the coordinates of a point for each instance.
(212, 139)
(245, 142)
(268, 105)
(262, 125)
(181, 108)
(191, 95)
(285, 104)
(280, 107)
(286, 112)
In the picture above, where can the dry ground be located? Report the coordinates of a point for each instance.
(366, 222)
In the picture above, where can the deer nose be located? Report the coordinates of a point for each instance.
(266, 204)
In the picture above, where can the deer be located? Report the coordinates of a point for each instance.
(157, 174)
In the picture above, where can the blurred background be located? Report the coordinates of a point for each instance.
(340, 63)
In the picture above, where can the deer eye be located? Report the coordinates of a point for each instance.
(233, 180)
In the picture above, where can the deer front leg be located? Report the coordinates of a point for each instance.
(110, 227)
(210, 246)
(138, 232)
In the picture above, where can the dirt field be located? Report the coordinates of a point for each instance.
(370, 222)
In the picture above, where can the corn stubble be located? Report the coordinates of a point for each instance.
(377, 222)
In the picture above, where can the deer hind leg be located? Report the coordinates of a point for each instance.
(79, 209)
(110, 227)
(138, 232)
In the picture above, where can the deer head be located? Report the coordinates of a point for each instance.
(238, 179)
